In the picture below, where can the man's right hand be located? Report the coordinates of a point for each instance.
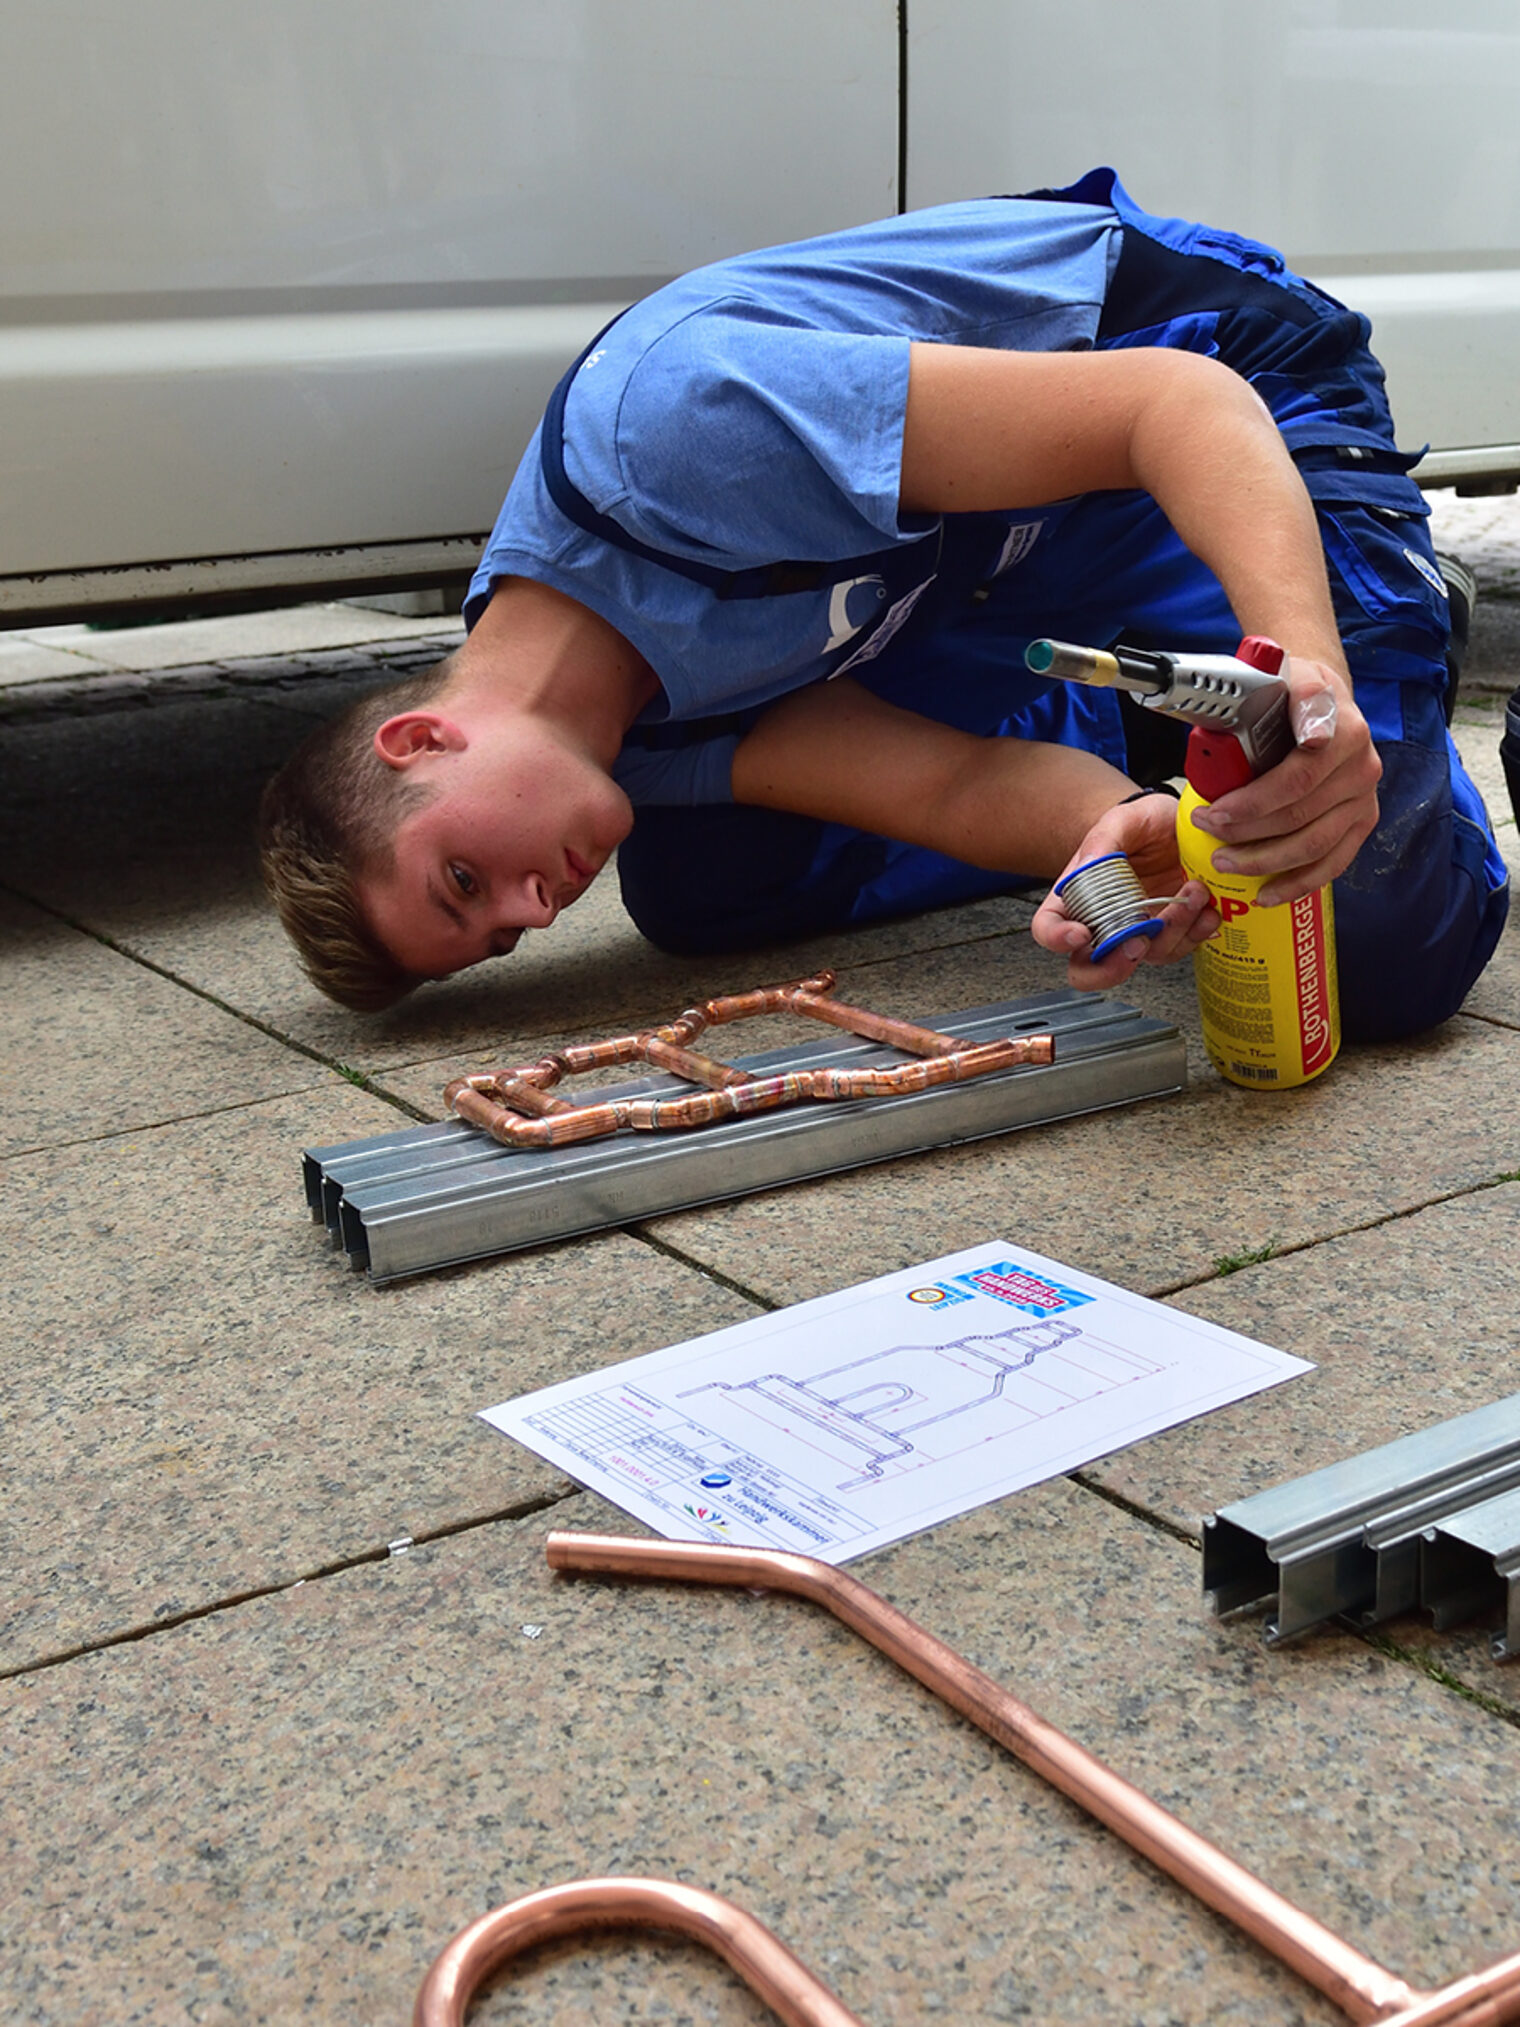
(1146, 832)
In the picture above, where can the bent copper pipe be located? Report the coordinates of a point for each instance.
(514, 1107)
(747, 1946)
(1486, 1999)
(1364, 1990)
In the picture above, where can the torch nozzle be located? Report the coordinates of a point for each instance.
(1069, 664)
(1100, 668)
(1220, 692)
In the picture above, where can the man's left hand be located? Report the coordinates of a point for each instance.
(1146, 832)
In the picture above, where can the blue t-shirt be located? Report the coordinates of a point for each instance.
(752, 412)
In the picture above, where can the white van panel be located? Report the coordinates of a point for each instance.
(283, 288)
(275, 432)
(302, 274)
(1451, 346)
(1375, 142)
(175, 146)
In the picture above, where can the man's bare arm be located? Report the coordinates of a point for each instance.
(835, 751)
(1011, 805)
(987, 430)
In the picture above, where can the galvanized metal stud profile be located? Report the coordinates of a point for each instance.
(1406, 1525)
(1470, 1563)
(407, 1202)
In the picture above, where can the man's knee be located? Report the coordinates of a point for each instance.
(1419, 912)
(731, 877)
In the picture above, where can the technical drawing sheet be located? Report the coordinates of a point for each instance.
(849, 1421)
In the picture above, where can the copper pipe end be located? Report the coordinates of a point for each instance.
(765, 1964)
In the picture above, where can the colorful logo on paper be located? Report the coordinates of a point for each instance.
(1022, 1288)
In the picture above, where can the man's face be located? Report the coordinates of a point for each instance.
(507, 839)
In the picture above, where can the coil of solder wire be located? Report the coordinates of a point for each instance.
(1106, 897)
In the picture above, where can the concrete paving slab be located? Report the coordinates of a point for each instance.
(1492, 661)
(1496, 995)
(1460, 1655)
(1485, 533)
(1128, 1662)
(316, 684)
(284, 631)
(130, 804)
(320, 694)
(199, 1400)
(97, 1045)
(286, 1810)
(141, 827)
(1408, 1324)
(1477, 728)
(316, 681)
(105, 691)
(33, 661)
(1151, 1195)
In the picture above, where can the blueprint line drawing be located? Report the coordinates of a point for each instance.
(896, 1410)
(852, 1419)
(652, 1446)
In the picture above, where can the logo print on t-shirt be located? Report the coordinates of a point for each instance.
(847, 614)
(875, 641)
(1021, 538)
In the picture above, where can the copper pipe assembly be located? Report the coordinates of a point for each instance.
(1363, 1990)
(515, 1107)
(747, 1946)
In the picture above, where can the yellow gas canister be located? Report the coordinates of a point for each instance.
(1266, 982)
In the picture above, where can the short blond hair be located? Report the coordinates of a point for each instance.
(329, 819)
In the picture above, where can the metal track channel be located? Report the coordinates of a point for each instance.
(1431, 1520)
(407, 1202)
(1470, 1564)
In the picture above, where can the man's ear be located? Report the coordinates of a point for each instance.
(408, 736)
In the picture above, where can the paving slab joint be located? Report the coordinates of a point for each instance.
(1145, 1514)
(1444, 1678)
(393, 1550)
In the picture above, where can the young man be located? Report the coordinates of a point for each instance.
(756, 605)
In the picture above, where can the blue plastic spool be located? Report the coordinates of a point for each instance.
(1107, 933)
